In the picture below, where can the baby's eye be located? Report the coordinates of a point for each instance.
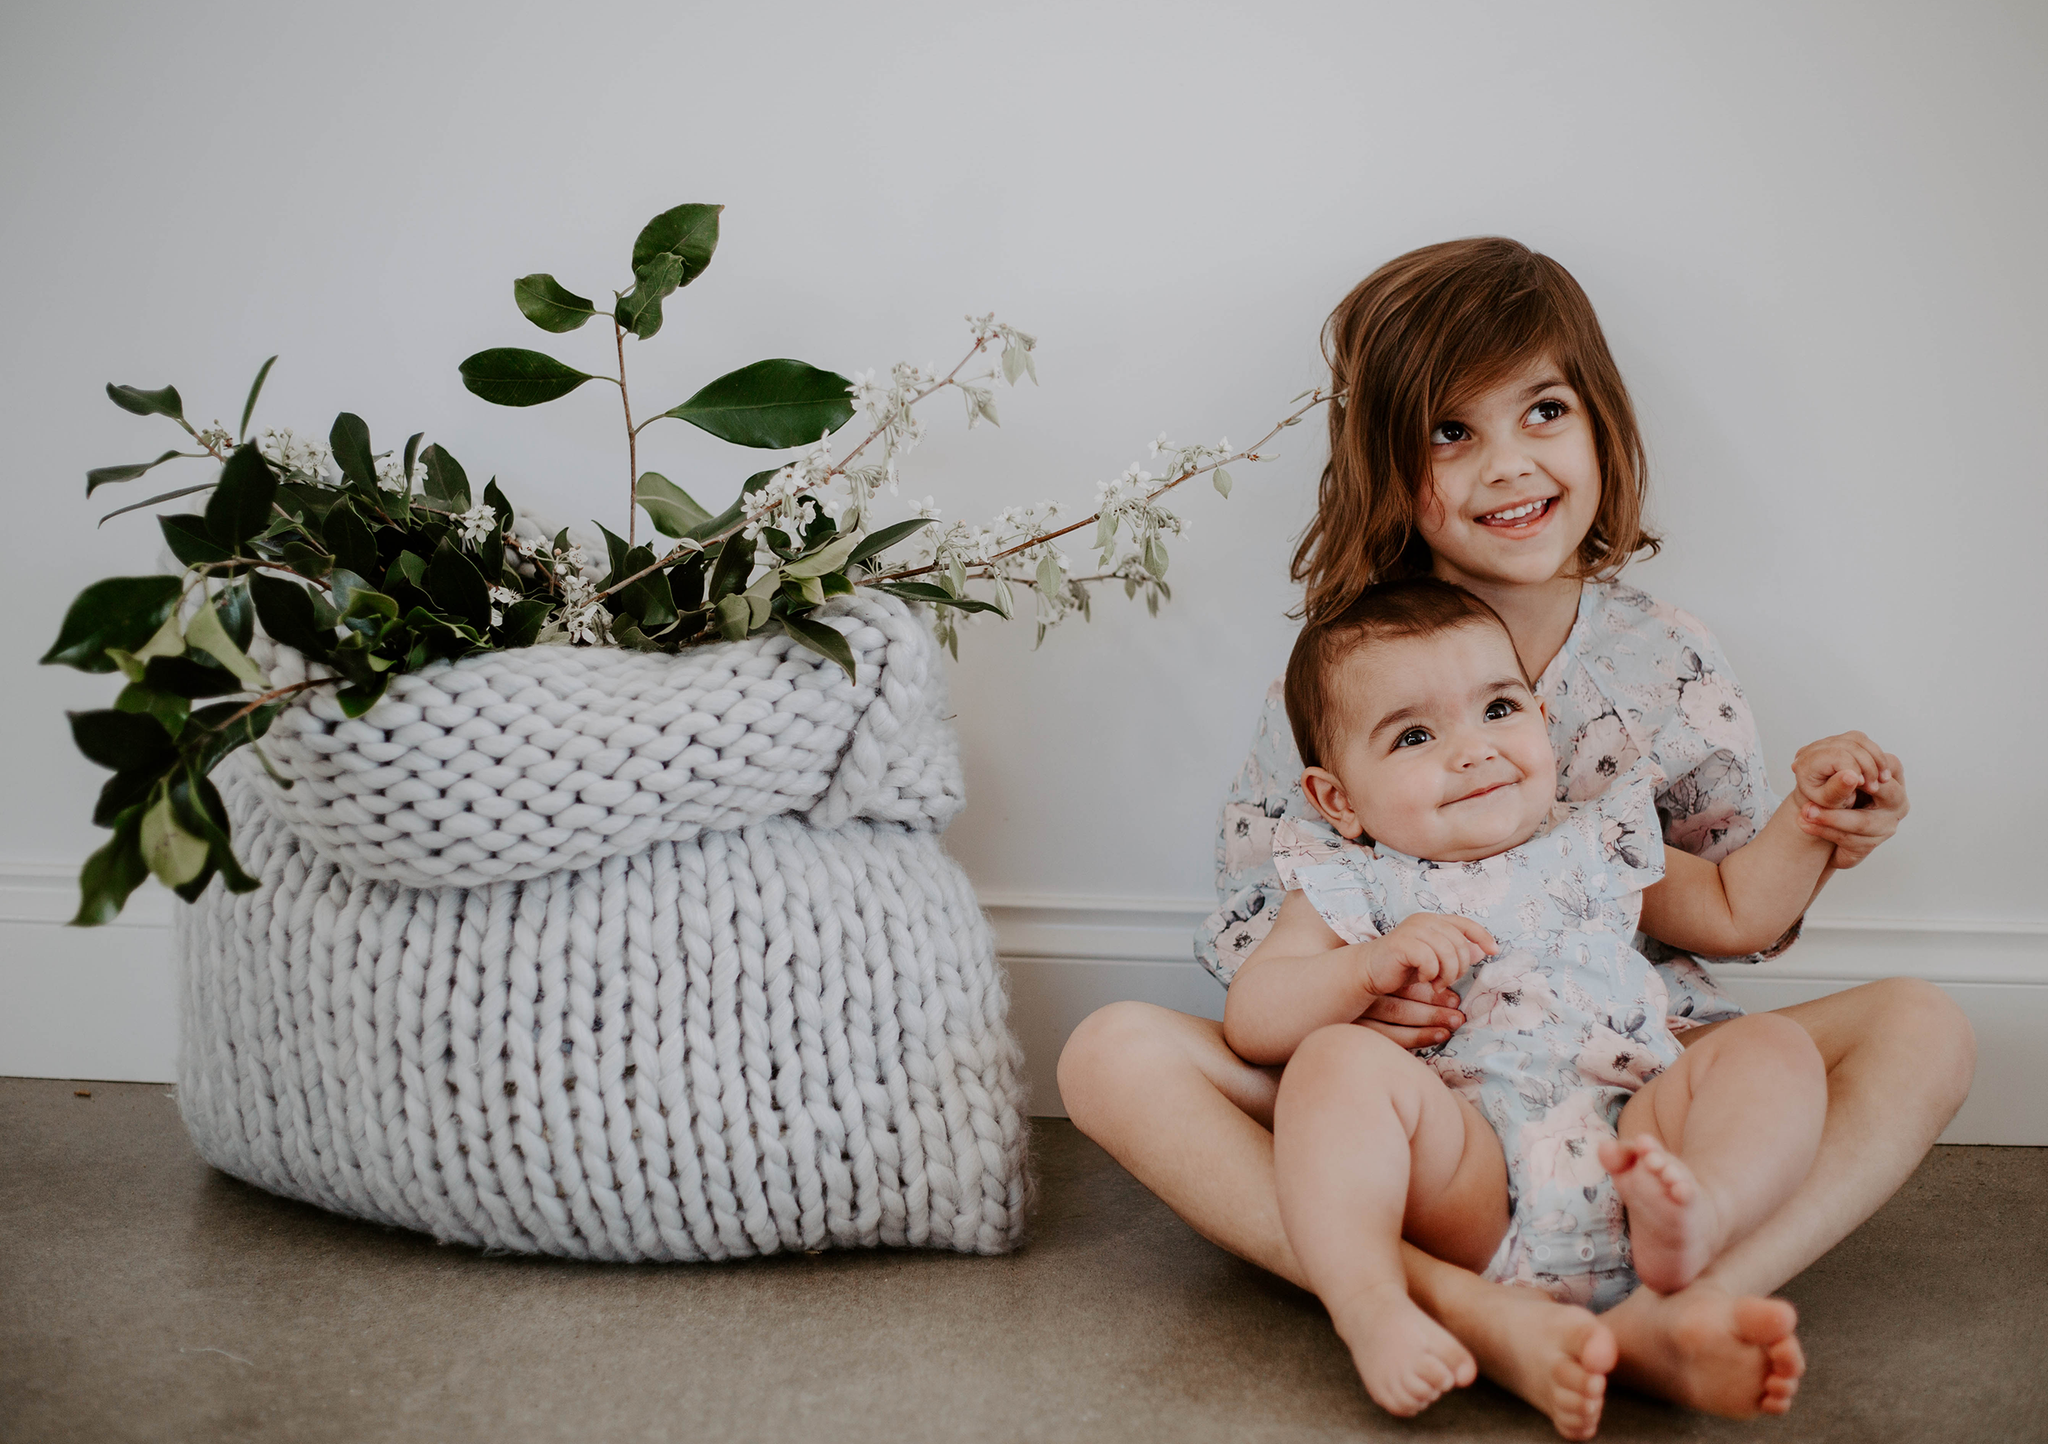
(1413, 737)
(1501, 707)
(1450, 433)
(1548, 409)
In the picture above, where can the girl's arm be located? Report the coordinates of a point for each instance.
(1304, 976)
(1750, 898)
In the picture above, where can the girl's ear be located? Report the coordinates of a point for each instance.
(1327, 796)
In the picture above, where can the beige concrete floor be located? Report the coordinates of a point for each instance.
(145, 1297)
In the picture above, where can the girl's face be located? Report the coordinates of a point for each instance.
(1514, 483)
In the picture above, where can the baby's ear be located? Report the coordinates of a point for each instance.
(1327, 796)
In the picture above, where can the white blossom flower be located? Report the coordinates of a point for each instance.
(293, 455)
(477, 524)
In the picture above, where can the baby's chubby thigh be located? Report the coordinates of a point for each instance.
(1457, 1203)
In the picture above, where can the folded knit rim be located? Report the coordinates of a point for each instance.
(509, 765)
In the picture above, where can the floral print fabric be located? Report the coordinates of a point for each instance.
(1563, 1024)
(1634, 677)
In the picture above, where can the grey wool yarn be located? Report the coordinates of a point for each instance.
(615, 955)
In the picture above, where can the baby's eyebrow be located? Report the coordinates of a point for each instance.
(1502, 684)
(1399, 714)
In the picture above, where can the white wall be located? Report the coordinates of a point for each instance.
(1813, 233)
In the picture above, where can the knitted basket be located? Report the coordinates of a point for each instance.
(615, 955)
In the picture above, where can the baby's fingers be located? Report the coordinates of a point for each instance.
(1479, 936)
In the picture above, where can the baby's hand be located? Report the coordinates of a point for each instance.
(1427, 948)
(1851, 793)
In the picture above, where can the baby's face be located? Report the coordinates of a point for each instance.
(1442, 750)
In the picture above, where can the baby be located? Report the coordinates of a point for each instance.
(1562, 1138)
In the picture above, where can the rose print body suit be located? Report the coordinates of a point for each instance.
(1562, 1026)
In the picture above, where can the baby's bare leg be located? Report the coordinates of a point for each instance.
(1365, 1137)
(1716, 1144)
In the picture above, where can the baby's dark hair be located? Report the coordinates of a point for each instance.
(1413, 607)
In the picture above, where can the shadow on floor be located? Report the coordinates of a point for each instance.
(145, 1297)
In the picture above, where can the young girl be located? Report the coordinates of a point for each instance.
(1486, 438)
(1425, 744)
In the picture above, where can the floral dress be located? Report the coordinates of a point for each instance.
(1634, 676)
(1562, 1025)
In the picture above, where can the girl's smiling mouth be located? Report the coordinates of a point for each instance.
(1522, 514)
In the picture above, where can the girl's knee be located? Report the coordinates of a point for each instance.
(1911, 1018)
(1108, 1044)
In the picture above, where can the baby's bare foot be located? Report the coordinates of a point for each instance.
(1672, 1229)
(1555, 1356)
(1407, 1360)
(1706, 1349)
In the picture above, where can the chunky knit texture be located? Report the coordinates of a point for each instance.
(615, 955)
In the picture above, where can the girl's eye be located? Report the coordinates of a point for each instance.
(1501, 707)
(1413, 737)
(1450, 433)
(1548, 409)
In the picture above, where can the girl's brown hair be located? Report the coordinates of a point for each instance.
(1418, 337)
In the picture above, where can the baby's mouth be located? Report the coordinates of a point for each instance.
(1525, 514)
(1486, 791)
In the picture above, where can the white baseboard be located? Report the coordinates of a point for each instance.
(98, 1003)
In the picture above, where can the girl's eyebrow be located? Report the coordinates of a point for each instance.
(1542, 386)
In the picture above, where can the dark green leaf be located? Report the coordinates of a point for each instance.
(639, 310)
(190, 542)
(199, 808)
(125, 790)
(349, 439)
(877, 542)
(938, 596)
(406, 569)
(686, 583)
(688, 231)
(357, 600)
(255, 390)
(305, 559)
(237, 616)
(358, 698)
(147, 403)
(152, 501)
(774, 403)
(735, 563)
(168, 708)
(733, 617)
(122, 741)
(112, 873)
(674, 511)
(447, 483)
(101, 476)
(412, 451)
(349, 537)
(730, 517)
(184, 677)
(509, 376)
(543, 301)
(286, 612)
(615, 553)
(119, 612)
(822, 640)
(458, 587)
(223, 736)
(522, 623)
(240, 505)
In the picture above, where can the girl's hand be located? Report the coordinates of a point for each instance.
(1431, 948)
(1420, 1015)
(1851, 792)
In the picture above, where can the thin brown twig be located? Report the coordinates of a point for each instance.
(1250, 453)
(838, 469)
